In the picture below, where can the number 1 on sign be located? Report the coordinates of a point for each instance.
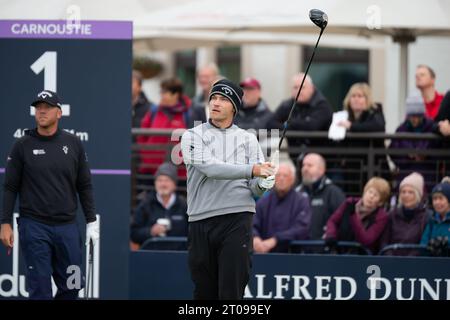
(47, 62)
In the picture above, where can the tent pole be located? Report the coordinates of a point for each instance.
(403, 37)
(403, 85)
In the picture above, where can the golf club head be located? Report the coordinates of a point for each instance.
(319, 18)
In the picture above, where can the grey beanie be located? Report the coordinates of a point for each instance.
(167, 169)
(415, 106)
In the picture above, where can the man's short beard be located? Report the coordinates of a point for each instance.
(308, 182)
(163, 193)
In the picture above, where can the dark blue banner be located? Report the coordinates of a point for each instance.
(165, 275)
(92, 76)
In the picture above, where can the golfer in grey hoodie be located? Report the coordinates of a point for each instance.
(225, 171)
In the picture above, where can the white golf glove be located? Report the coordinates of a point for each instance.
(275, 160)
(92, 232)
(267, 183)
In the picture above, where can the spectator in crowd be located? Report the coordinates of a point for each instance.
(425, 81)
(312, 112)
(163, 211)
(206, 76)
(408, 220)
(361, 219)
(442, 120)
(324, 196)
(437, 231)
(417, 122)
(364, 116)
(140, 104)
(254, 112)
(281, 216)
(442, 127)
(172, 113)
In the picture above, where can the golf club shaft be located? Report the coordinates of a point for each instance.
(299, 90)
(90, 270)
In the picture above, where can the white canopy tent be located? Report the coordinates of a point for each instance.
(173, 40)
(356, 17)
(87, 9)
(403, 20)
(179, 24)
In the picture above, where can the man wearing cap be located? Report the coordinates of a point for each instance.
(254, 113)
(48, 167)
(162, 212)
(225, 170)
(415, 122)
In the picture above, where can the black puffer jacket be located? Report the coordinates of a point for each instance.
(150, 210)
(324, 198)
(257, 117)
(316, 115)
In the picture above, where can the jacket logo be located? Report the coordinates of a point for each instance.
(38, 151)
(44, 94)
(65, 149)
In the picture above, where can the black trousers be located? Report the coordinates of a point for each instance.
(220, 251)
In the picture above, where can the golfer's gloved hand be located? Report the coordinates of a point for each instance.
(263, 170)
(267, 183)
(92, 233)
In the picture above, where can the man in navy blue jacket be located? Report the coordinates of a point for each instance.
(48, 168)
(162, 212)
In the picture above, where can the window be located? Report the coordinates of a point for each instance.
(334, 70)
(229, 62)
(185, 70)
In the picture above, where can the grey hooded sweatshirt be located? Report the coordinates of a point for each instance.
(219, 170)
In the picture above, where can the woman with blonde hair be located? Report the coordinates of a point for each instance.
(364, 115)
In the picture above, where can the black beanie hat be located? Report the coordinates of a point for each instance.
(229, 90)
(443, 188)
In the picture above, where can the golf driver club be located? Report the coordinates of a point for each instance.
(320, 19)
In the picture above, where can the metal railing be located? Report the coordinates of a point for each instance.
(405, 249)
(349, 167)
(321, 247)
(306, 247)
(165, 243)
(296, 247)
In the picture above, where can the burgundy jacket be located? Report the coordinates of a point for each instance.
(344, 226)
